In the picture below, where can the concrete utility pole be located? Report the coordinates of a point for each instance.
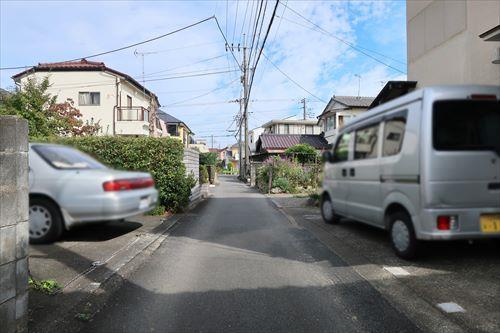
(245, 111)
(304, 107)
(240, 148)
(212, 141)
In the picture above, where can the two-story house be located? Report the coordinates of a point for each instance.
(291, 126)
(338, 111)
(115, 100)
(176, 128)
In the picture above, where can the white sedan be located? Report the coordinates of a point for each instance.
(68, 187)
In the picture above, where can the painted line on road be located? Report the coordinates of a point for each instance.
(397, 271)
(450, 307)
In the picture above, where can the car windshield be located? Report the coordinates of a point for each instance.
(467, 125)
(61, 157)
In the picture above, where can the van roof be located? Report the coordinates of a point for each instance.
(465, 90)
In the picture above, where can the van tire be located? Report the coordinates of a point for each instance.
(327, 211)
(402, 235)
(43, 207)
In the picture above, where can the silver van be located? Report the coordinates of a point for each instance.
(424, 166)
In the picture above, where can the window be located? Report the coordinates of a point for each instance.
(172, 130)
(341, 152)
(286, 129)
(394, 131)
(467, 125)
(309, 129)
(89, 98)
(366, 143)
(61, 157)
(129, 101)
(330, 123)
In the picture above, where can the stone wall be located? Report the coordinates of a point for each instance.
(14, 225)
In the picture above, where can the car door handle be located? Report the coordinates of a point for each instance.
(344, 172)
(352, 172)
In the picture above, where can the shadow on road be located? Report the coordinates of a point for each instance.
(99, 232)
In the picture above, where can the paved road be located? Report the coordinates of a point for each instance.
(237, 264)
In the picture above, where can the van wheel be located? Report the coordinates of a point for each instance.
(403, 239)
(45, 221)
(327, 211)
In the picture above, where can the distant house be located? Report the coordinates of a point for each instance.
(200, 145)
(115, 100)
(176, 128)
(276, 144)
(338, 111)
(291, 126)
(253, 136)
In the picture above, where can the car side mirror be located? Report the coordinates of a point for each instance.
(328, 156)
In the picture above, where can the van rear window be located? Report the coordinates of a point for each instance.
(466, 125)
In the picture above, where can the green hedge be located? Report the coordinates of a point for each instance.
(162, 157)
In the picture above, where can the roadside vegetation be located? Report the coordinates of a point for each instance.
(49, 287)
(298, 172)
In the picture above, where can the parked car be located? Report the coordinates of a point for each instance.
(424, 166)
(68, 187)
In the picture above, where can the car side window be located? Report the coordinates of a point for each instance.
(366, 142)
(394, 131)
(341, 152)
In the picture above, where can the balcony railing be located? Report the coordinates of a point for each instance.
(132, 113)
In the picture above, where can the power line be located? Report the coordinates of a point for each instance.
(182, 66)
(342, 40)
(255, 30)
(202, 95)
(227, 43)
(292, 80)
(262, 48)
(128, 46)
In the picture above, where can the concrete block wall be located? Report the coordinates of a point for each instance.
(192, 162)
(14, 225)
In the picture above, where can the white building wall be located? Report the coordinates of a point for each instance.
(68, 84)
(444, 46)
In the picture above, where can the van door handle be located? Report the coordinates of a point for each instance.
(352, 172)
(344, 172)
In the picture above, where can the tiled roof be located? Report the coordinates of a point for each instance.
(82, 65)
(284, 141)
(354, 101)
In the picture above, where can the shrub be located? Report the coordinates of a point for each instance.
(287, 175)
(303, 153)
(203, 174)
(162, 157)
(208, 158)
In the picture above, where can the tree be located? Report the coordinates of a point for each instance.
(45, 117)
(303, 152)
(208, 158)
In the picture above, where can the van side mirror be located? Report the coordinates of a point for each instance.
(328, 156)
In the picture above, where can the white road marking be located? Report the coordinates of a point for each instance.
(312, 217)
(397, 271)
(450, 307)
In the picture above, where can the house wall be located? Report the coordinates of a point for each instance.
(68, 84)
(332, 132)
(253, 136)
(293, 129)
(444, 46)
(183, 135)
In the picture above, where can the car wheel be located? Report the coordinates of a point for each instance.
(403, 239)
(45, 221)
(327, 211)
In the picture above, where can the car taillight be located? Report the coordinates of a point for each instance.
(447, 222)
(127, 184)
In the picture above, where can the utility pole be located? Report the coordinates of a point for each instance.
(359, 83)
(240, 148)
(245, 111)
(212, 141)
(304, 107)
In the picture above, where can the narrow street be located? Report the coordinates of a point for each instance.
(236, 263)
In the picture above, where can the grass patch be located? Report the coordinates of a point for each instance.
(49, 287)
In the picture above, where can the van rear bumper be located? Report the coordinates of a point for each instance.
(468, 224)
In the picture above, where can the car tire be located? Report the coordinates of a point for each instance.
(403, 240)
(327, 211)
(46, 223)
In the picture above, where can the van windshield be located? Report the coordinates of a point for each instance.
(467, 125)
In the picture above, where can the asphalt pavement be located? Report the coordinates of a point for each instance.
(238, 264)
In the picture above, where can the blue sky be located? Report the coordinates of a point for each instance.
(47, 31)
